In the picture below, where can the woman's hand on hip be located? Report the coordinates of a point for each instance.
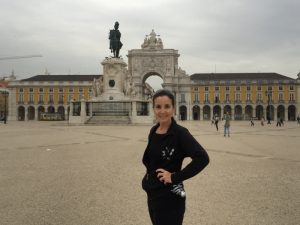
(164, 176)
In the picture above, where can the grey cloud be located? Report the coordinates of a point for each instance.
(239, 36)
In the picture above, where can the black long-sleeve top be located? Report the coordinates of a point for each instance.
(167, 151)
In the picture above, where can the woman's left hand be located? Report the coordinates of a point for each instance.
(164, 176)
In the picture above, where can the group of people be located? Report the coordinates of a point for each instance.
(262, 121)
(226, 119)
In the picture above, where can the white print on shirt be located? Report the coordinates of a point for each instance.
(167, 153)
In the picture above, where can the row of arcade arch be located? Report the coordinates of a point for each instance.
(42, 113)
(258, 112)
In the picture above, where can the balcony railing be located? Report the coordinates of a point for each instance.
(196, 102)
(41, 102)
(237, 101)
(281, 101)
(292, 101)
(31, 102)
(206, 101)
(227, 102)
(50, 102)
(249, 102)
(258, 101)
(60, 102)
(21, 102)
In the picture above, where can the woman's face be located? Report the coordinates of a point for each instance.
(163, 109)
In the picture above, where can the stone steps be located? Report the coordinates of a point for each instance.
(109, 120)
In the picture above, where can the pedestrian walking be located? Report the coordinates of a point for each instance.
(281, 121)
(227, 119)
(269, 120)
(251, 121)
(168, 145)
(216, 122)
(298, 119)
(278, 122)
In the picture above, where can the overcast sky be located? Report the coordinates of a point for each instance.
(210, 35)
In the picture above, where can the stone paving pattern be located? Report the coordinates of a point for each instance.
(52, 174)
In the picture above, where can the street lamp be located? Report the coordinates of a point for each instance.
(268, 94)
(5, 93)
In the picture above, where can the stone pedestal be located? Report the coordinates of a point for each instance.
(114, 74)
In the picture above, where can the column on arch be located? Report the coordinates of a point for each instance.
(243, 112)
(26, 113)
(36, 113)
(222, 112)
(265, 112)
(66, 114)
(275, 113)
(286, 113)
(82, 108)
(190, 111)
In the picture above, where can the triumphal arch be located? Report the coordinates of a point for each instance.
(154, 59)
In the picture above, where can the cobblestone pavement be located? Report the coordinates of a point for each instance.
(52, 174)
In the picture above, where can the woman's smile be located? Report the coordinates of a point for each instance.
(163, 109)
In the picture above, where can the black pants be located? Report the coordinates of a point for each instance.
(167, 210)
(216, 123)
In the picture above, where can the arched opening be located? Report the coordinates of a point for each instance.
(182, 112)
(61, 112)
(155, 82)
(227, 108)
(41, 109)
(248, 112)
(259, 112)
(238, 112)
(270, 112)
(217, 111)
(77, 108)
(51, 109)
(196, 112)
(21, 113)
(292, 112)
(151, 82)
(280, 112)
(31, 112)
(68, 112)
(206, 112)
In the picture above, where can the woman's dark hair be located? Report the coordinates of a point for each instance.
(164, 92)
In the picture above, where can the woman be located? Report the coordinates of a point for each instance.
(168, 145)
(227, 119)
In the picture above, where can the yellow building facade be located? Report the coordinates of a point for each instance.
(243, 95)
(47, 97)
